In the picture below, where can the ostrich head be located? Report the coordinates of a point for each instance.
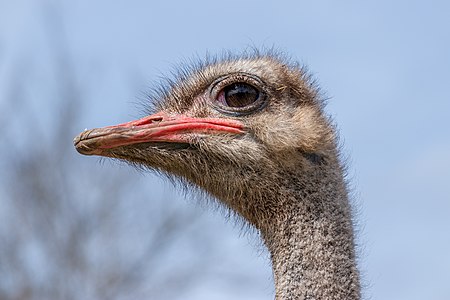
(235, 128)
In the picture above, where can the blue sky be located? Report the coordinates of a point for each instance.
(384, 64)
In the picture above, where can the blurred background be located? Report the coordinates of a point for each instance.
(74, 227)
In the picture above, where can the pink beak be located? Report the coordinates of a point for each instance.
(159, 127)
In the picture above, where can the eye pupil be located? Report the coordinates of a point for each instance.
(240, 95)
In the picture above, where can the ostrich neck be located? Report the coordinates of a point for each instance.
(311, 244)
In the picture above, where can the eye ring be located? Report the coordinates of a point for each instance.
(246, 94)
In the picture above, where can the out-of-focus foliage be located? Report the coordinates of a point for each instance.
(74, 229)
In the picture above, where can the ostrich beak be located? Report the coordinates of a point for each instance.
(159, 127)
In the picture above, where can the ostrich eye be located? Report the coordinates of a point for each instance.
(238, 95)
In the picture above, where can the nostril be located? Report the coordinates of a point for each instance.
(146, 121)
(157, 119)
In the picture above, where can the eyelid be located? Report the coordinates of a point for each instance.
(225, 80)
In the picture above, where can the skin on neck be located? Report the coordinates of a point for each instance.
(310, 262)
(311, 242)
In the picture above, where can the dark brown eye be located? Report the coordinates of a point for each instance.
(238, 95)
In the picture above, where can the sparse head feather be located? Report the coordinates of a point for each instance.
(288, 132)
(190, 76)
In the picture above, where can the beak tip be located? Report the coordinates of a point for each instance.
(83, 149)
(81, 146)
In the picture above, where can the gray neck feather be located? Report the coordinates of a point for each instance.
(312, 244)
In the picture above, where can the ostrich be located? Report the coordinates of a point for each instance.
(251, 132)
